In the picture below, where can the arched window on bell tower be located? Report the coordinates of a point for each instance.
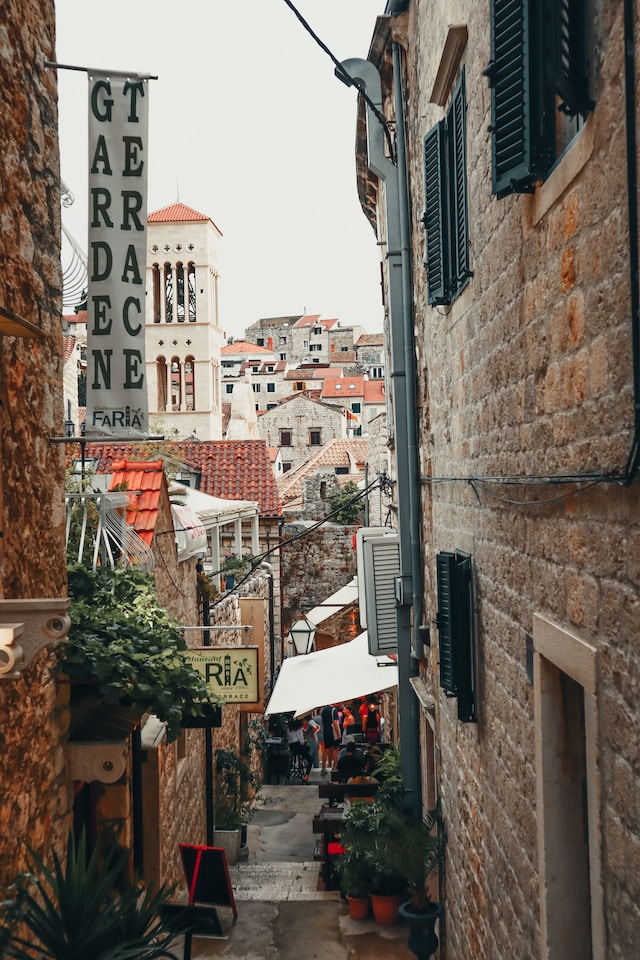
(191, 283)
(161, 377)
(180, 291)
(157, 308)
(168, 292)
(190, 383)
(176, 384)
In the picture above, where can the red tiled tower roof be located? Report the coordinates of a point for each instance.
(178, 213)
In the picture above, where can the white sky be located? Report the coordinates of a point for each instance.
(248, 125)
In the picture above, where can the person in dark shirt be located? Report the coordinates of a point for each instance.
(351, 761)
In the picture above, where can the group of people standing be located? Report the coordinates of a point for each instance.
(318, 737)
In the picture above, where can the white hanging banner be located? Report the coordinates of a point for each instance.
(118, 135)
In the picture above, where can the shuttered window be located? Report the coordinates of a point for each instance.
(456, 633)
(446, 219)
(538, 66)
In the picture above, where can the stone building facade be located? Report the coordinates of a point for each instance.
(35, 800)
(300, 426)
(525, 352)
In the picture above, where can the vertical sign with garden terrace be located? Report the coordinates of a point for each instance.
(116, 385)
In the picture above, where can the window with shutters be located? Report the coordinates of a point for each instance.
(539, 80)
(455, 629)
(446, 219)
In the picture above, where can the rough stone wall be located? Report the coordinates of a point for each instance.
(529, 374)
(34, 799)
(300, 415)
(315, 566)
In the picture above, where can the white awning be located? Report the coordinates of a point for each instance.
(330, 676)
(191, 537)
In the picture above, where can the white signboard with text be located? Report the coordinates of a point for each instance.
(116, 381)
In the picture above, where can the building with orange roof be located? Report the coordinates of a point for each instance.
(299, 425)
(343, 459)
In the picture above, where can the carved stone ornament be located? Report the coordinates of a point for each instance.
(104, 762)
(26, 627)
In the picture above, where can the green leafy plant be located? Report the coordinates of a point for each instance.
(125, 642)
(75, 911)
(368, 837)
(349, 510)
(352, 871)
(421, 849)
(397, 855)
(228, 795)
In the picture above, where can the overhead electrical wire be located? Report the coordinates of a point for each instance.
(348, 80)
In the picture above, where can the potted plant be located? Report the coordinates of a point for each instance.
(352, 871)
(80, 907)
(421, 849)
(368, 834)
(227, 814)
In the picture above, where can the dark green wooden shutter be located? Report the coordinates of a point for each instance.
(456, 633)
(571, 69)
(512, 74)
(435, 215)
(445, 566)
(459, 220)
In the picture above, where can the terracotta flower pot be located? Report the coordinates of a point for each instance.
(359, 907)
(386, 908)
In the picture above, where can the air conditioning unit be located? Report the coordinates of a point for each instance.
(378, 564)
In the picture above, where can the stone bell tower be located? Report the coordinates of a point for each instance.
(183, 335)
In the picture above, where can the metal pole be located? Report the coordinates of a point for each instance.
(208, 741)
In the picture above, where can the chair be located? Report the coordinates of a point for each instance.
(297, 764)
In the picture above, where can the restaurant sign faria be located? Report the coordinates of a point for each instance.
(230, 672)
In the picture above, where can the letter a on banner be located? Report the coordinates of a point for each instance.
(116, 381)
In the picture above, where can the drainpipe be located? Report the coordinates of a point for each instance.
(632, 199)
(402, 371)
(409, 355)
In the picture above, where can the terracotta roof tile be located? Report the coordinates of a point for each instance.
(243, 346)
(344, 387)
(178, 213)
(68, 346)
(145, 481)
(337, 453)
(230, 469)
(374, 391)
(79, 317)
(370, 339)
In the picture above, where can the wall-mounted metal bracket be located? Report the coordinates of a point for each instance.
(26, 627)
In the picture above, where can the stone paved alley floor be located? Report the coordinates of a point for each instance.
(281, 913)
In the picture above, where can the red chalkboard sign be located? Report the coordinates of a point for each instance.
(207, 875)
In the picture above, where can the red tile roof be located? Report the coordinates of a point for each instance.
(236, 470)
(146, 480)
(370, 339)
(231, 469)
(337, 453)
(345, 387)
(243, 346)
(68, 346)
(314, 319)
(79, 317)
(374, 391)
(178, 213)
(343, 356)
